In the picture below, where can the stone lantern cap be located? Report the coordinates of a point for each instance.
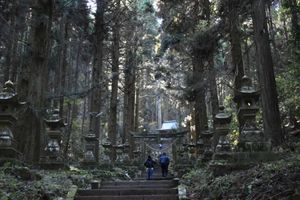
(91, 137)
(119, 146)
(246, 90)
(5, 133)
(55, 121)
(222, 117)
(206, 134)
(126, 144)
(137, 151)
(107, 143)
(191, 145)
(199, 142)
(8, 94)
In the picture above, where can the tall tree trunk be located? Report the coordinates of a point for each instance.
(97, 75)
(271, 115)
(199, 93)
(63, 63)
(112, 122)
(213, 86)
(34, 81)
(235, 40)
(137, 103)
(11, 42)
(129, 93)
(72, 109)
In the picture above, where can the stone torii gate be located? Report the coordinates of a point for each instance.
(166, 139)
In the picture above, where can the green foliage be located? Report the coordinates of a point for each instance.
(267, 179)
(288, 85)
(234, 125)
(51, 184)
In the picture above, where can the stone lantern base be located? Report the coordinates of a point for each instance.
(8, 154)
(252, 140)
(88, 164)
(54, 165)
(227, 162)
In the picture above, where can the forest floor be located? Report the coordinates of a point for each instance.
(24, 183)
(271, 180)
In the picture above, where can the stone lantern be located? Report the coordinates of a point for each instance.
(126, 146)
(126, 151)
(206, 136)
(200, 146)
(247, 102)
(192, 148)
(91, 142)
(8, 107)
(54, 136)
(247, 99)
(136, 154)
(107, 147)
(222, 122)
(119, 148)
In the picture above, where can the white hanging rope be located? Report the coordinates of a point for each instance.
(160, 149)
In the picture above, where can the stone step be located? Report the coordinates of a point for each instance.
(127, 191)
(156, 177)
(132, 190)
(129, 197)
(158, 183)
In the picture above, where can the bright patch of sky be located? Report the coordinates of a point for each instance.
(92, 5)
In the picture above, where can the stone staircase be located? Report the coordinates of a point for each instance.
(132, 190)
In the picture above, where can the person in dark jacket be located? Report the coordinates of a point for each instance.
(164, 164)
(149, 164)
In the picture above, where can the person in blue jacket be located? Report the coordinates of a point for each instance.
(164, 164)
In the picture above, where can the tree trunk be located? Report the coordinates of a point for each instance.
(63, 63)
(137, 103)
(235, 40)
(112, 122)
(271, 115)
(129, 94)
(97, 75)
(34, 83)
(213, 86)
(11, 43)
(199, 93)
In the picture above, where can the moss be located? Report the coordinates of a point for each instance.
(50, 184)
(278, 178)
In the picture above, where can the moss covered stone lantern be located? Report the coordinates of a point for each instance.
(8, 110)
(54, 124)
(247, 99)
(91, 142)
(206, 136)
(222, 122)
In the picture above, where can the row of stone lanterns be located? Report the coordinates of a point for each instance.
(121, 149)
(251, 138)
